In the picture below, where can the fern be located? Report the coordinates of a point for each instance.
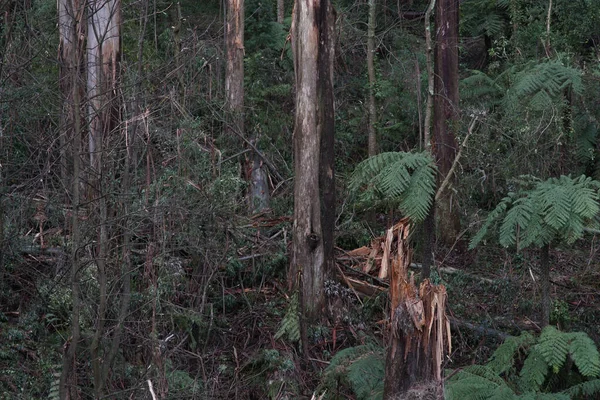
(290, 324)
(407, 180)
(504, 357)
(361, 368)
(584, 354)
(588, 388)
(556, 209)
(544, 365)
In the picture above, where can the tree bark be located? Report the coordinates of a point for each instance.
(446, 114)
(234, 72)
(371, 72)
(280, 11)
(71, 39)
(545, 283)
(103, 52)
(312, 246)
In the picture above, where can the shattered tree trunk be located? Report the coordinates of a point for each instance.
(419, 331)
(446, 114)
(314, 192)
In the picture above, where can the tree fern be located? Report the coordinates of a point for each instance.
(556, 209)
(545, 362)
(407, 180)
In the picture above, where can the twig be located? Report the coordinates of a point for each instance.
(456, 159)
(151, 389)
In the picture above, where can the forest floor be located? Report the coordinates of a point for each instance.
(243, 354)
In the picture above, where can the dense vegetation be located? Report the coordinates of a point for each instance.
(209, 313)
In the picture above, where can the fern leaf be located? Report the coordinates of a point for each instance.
(407, 180)
(588, 388)
(584, 354)
(490, 220)
(554, 347)
(533, 373)
(516, 219)
(503, 358)
(290, 324)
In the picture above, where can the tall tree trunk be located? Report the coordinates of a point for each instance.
(371, 72)
(446, 114)
(312, 37)
(70, 55)
(103, 52)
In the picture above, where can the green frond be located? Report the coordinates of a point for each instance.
(534, 371)
(584, 354)
(555, 209)
(588, 388)
(479, 85)
(290, 324)
(504, 357)
(544, 396)
(469, 387)
(492, 218)
(516, 219)
(361, 368)
(407, 180)
(554, 347)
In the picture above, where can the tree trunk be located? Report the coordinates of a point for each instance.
(234, 72)
(103, 51)
(545, 283)
(312, 41)
(70, 55)
(419, 334)
(446, 114)
(371, 72)
(280, 11)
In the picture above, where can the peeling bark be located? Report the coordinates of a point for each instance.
(314, 192)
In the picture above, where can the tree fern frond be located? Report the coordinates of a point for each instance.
(588, 388)
(554, 347)
(492, 218)
(584, 354)
(534, 371)
(361, 368)
(404, 179)
(516, 219)
(503, 358)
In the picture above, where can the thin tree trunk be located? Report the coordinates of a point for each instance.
(71, 28)
(545, 283)
(371, 72)
(280, 11)
(234, 72)
(430, 80)
(446, 115)
(312, 36)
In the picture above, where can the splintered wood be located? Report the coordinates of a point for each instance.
(419, 330)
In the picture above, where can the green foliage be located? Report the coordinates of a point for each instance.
(290, 324)
(556, 209)
(546, 369)
(406, 180)
(359, 368)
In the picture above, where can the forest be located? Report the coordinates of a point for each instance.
(300, 199)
